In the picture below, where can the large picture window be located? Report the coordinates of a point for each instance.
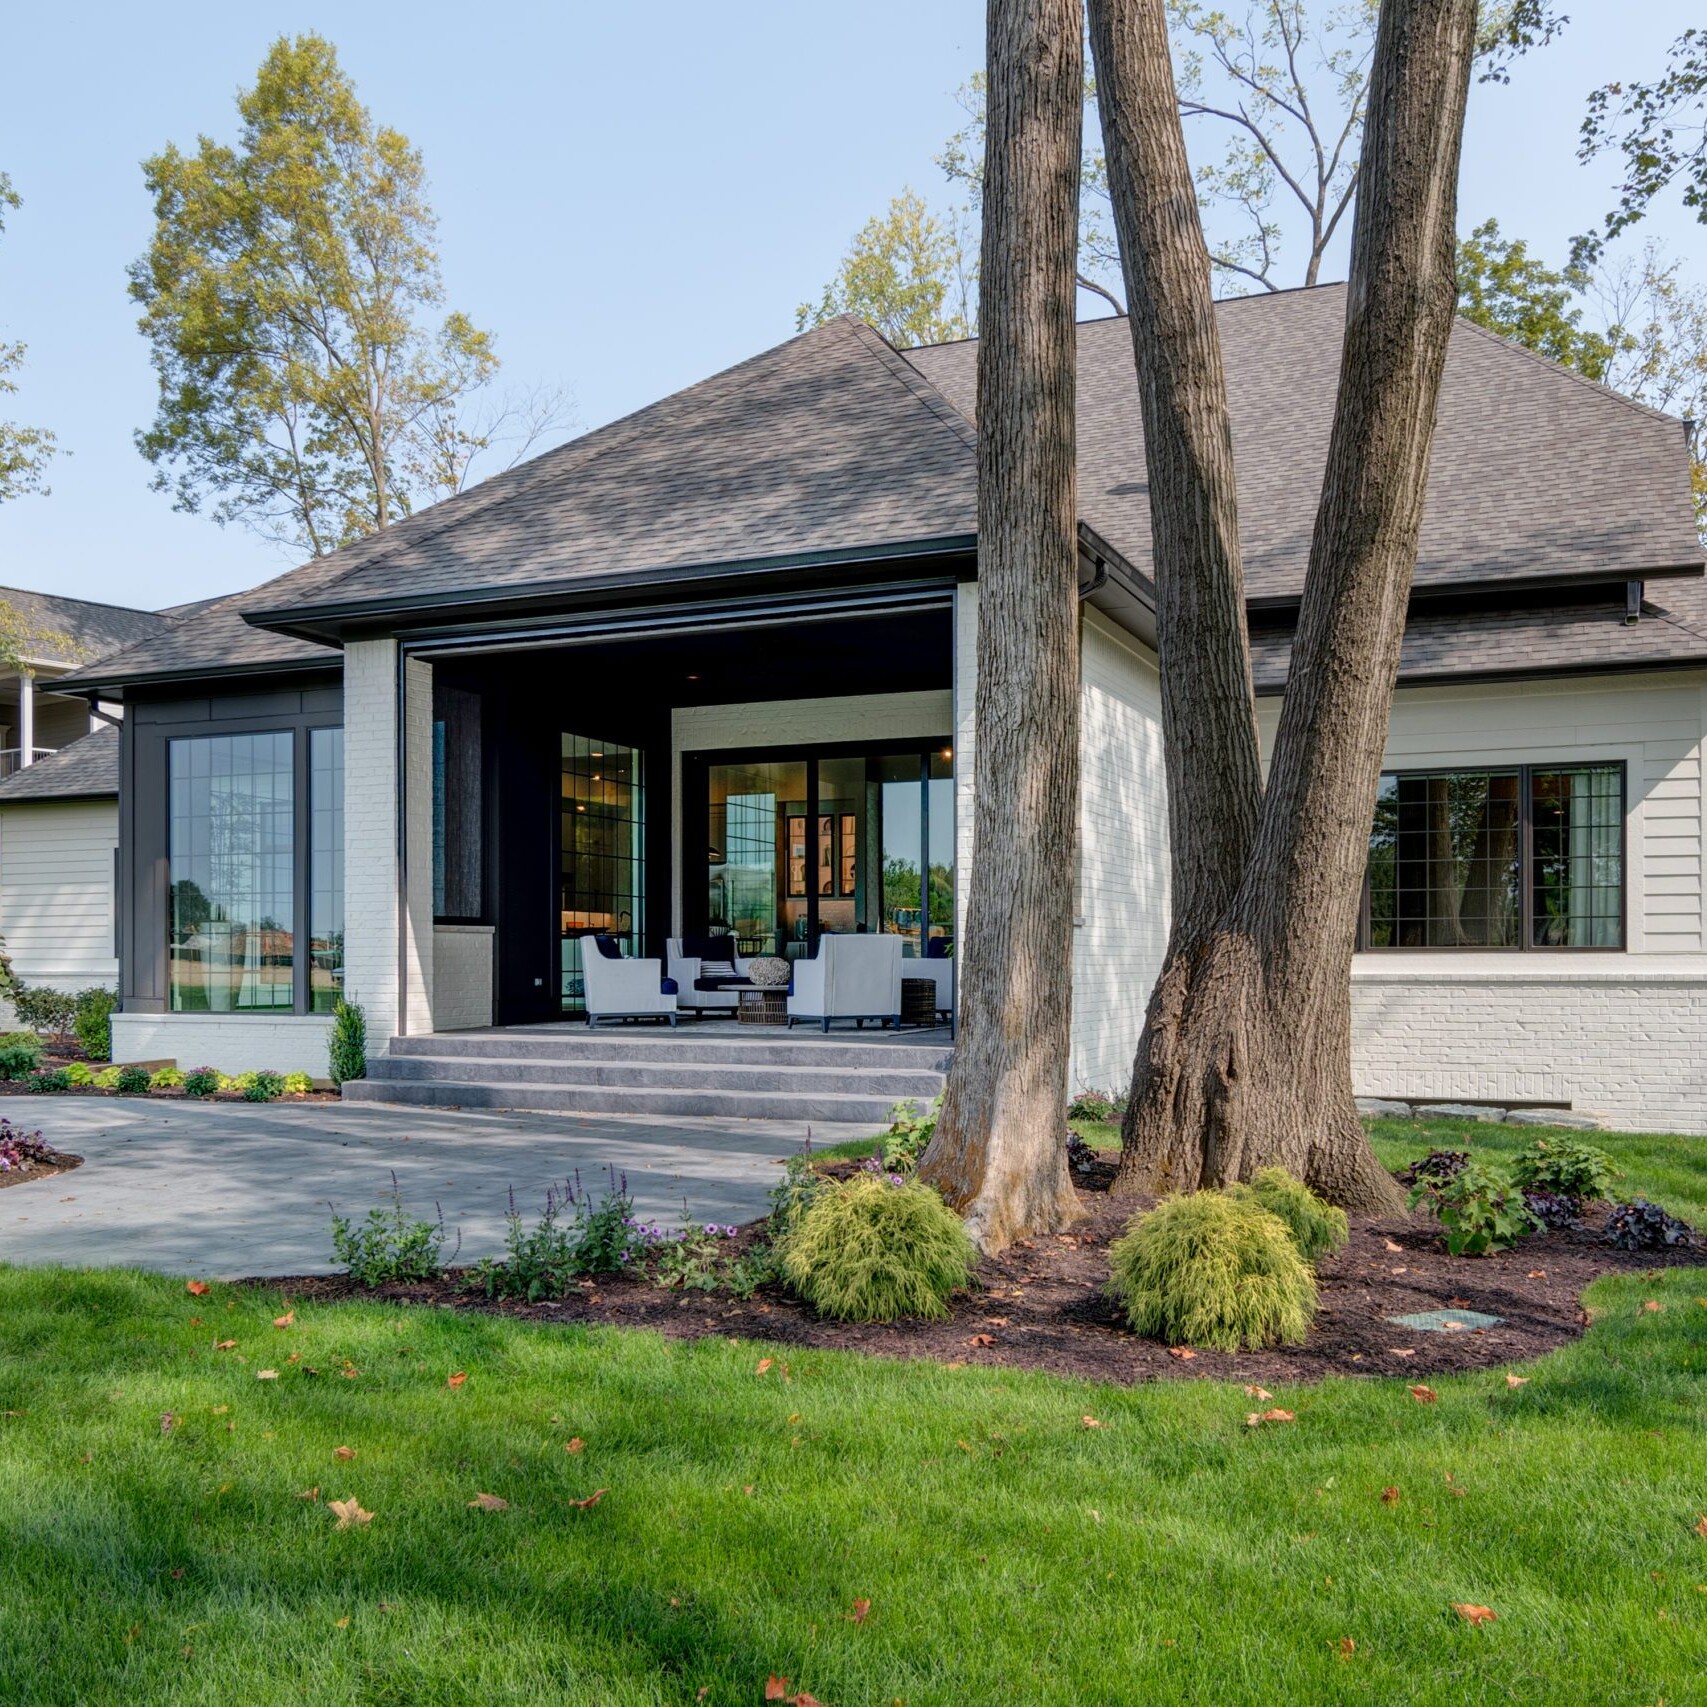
(325, 869)
(1518, 856)
(231, 846)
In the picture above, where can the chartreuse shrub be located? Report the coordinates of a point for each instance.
(869, 1251)
(166, 1079)
(79, 1073)
(1317, 1227)
(262, 1086)
(297, 1084)
(1215, 1270)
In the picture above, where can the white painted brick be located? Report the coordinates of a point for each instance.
(232, 1043)
(462, 977)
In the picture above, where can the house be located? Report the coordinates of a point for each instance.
(711, 668)
(59, 789)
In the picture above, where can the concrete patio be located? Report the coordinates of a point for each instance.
(224, 1190)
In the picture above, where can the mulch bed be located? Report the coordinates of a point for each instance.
(63, 1164)
(1041, 1306)
(65, 1057)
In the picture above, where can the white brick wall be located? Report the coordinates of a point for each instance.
(462, 976)
(1122, 898)
(56, 892)
(1624, 1036)
(234, 1043)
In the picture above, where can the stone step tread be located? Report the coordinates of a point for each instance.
(610, 1099)
(480, 1066)
(736, 1052)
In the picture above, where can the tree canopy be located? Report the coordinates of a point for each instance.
(24, 451)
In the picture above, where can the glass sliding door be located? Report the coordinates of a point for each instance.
(760, 855)
(602, 877)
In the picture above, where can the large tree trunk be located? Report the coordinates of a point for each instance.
(1246, 1058)
(998, 1153)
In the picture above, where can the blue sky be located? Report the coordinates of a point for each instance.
(630, 197)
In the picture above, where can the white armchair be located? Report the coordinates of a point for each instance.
(687, 968)
(623, 989)
(850, 977)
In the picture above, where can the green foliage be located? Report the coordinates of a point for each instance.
(297, 1084)
(697, 1259)
(909, 1132)
(574, 1236)
(263, 1087)
(20, 1054)
(45, 1010)
(80, 1073)
(289, 295)
(132, 1081)
(346, 1043)
(868, 1251)
(1566, 1166)
(1100, 1106)
(1212, 1270)
(54, 1079)
(201, 1081)
(1480, 1208)
(390, 1245)
(93, 1022)
(1317, 1228)
(166, 1079)
(24, 451)
(798, 1189)
(107, 1079)
(906, 274)
(1503, 287)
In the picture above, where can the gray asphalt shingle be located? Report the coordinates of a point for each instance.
(87, 769)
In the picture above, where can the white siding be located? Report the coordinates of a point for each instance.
(1122, 900)
(56, 891)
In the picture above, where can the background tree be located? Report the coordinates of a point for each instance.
(24, 451)
(1245, 1057)
(906, 273)
(997, 1154)
(291, 297)
(1503, 287)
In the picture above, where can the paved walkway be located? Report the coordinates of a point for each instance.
(225, 1190)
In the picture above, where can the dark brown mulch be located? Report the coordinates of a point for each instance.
(1041, 1306)
(58, 1056)
(63, 1163)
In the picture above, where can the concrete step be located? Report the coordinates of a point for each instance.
(581, 1098)
(652, 1073)
(676, 1047)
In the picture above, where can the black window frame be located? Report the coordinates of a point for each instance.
(1526, 944)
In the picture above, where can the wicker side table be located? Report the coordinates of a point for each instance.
(763, 1007)
(918, 1001)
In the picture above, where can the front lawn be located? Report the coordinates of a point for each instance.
(157, 1547)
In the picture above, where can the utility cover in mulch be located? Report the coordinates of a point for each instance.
(1041, 1306)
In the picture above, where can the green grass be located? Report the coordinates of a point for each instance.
(1009, 1553)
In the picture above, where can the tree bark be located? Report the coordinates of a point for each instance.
(998, 1153)
(1246, 1057)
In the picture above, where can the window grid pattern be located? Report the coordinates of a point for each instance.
(603, 852)
(325, 869)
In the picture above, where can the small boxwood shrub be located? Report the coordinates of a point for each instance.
(132, 1081)
(1316, 1227)
(869, 1251)
(201, 1081)
(263, 1086)
(1214, 1270)
(20, 1054)
(93, 1022)
(1566, 1168)
(346, 1043)
(167, 1079)
(54, 1079)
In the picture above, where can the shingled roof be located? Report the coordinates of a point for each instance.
(86, 770)
(92, 629)
(834, 445)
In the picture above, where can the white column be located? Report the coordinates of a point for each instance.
(965, 729)
(26, 718)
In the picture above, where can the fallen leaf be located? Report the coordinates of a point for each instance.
(1474, 1614)
(1653, 1304)
(996, 1321)
(266, 1375)
(489, 1502)
(455, 1380)
(341, 1623)
(1391, 1246)
(1254, 1392)
(593, 1499)
(1389, 1496)
(861, 1609)
(287, 1320)
(1402, 1351)
(348, 1513)
(1424, 1395)
(1516, 1380)
(196, 1288)
(776, 1688)
(1275, 1416)
(1347, 1647)
(1181, 1351)
(345, 1452)
(982, 1339)
(1459, 1303)
(1538, 1274)
(575, 1445)
(225, 1345)
(1088, 1422)
(764, 1366)
(1701, 1527)
(1399, 1271)
(309, 1494)
(168, 1420)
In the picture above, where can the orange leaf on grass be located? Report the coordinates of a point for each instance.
(1275, 1416)
(1347, 1647)
(225, 1345)
(982, 1339)
(345, 1452)
(196, 1288)
(1516, 1380)
(266, 1375)
(1389, 1496)
(287, 1320)
(1701, 1527)
(764, 1366)
(1181, 1351)
(1474, 1614)
(1653, 1304)
(1423, 1395)
(575, 1445)
(455, 1380)
(349, 1514)
(776, 1688)
(591, 1500)
(1255, 1392)
(488, 1502)
(1090, 1422)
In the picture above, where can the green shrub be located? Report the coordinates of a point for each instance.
(1480, 1208)
(389, 1245)
(107, 1079)
(1567, 1167)
(346, 1043)
(1212, 1270)
(1317, 1228)
(909, 1132)
(50, 1011)
(1100, 1106)
(80, 1073)
(868, 1251)
(54, 1079)
(20, 1054)
(94, 1022)
(132, 1081)
(263, 1087)
(201, 1081)
(297, 1084)
(795, 1192)
(574, 1236)
(167, 1079)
